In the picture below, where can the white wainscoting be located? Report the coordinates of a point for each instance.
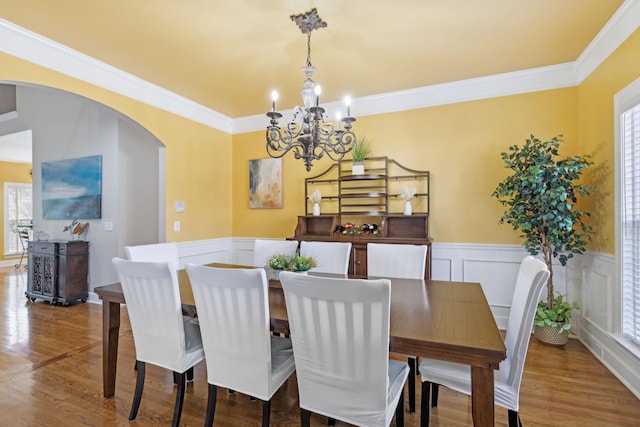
(589, 278)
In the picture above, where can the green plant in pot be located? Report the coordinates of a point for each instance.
(295, 262)
(541, 198)
(361, 149)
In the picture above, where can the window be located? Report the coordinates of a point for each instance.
(18, 213)
(628, 209)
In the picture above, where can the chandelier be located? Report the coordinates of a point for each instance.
(309, 134)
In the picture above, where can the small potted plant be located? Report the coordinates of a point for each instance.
(296, 262)
(541, 198)
(360, 151)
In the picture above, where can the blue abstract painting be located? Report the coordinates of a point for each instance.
(72, 189)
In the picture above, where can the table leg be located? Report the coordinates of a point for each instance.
(482, 396)
(110, 333)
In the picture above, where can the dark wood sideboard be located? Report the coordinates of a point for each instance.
(394, 229)
(58, 271)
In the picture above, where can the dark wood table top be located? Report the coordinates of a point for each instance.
(438, 319)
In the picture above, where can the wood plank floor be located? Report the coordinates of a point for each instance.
(51, 375)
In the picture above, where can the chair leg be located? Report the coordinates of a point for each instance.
(412, 384)
(266, 412)
(331, 421)
(400, 409)
(190, 374)
(434, 394)
(175, 377)
(211, 406)
(177, 412)
(424, 404)
(305, 418)
(137, 395)
(514, 419)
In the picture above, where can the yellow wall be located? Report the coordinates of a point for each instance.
(11, 172)
(198, 157)
(460, 144)
(596, 128)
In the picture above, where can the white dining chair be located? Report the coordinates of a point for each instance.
(401, 261)
(155, 252)
(340, 334)
(241, 354)
(263, 249)
(161, 334)
(532, 276)
(332, 257)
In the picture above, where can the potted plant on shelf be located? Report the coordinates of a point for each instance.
(360, 151)
(541, 197)
(296, 262)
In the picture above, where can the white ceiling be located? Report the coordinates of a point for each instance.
(16, 147)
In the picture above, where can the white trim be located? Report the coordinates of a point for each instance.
(35, 48)
(621, 25)
(537, 79)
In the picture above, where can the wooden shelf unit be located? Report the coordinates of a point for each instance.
(375, 193)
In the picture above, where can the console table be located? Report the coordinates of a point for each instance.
(58, 270)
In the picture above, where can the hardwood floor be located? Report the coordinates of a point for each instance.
(51, 375)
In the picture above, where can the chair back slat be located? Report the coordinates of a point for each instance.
(152, 298)
(402, 261)
(532, 276)
(156, 252)
(340, 334)
(233, 310)
(332, 257)
(264, 249)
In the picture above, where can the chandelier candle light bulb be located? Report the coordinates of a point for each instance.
(309, 134)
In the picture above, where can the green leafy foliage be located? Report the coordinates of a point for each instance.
(540, 198)
(361, 149)
(558, 317)
(294, 262)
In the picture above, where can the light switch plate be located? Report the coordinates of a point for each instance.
(108, 226)
(178, 206)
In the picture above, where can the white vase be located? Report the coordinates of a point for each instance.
(407, 208)
(357, 168)
(316, 209)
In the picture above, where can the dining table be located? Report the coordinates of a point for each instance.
(444, 320)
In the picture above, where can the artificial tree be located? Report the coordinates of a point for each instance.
(541, 198)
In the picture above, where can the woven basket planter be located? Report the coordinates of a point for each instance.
(551, 336)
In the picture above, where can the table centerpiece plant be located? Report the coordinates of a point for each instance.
(541, 198)
(296, 262)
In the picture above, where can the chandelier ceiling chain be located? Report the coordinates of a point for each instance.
(309, 134)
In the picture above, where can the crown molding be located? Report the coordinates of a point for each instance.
(622, 24)
(32, 47)
(39, 50)
(533, 80)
